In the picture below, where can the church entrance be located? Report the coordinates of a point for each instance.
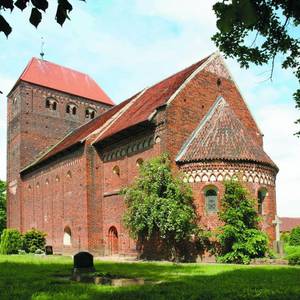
(113, 242)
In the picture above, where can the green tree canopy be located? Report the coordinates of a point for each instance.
(64, 8)
(240, 238)
(256, 31)
(160, 203)
(2, 206)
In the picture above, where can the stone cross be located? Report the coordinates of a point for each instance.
(277, 223)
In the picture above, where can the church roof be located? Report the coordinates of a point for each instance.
(222, 136)
(151, 99)
(50, 75)
(125, 114)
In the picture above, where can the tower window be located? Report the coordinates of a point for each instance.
(90, 113)
(71, 109)
(51, 104)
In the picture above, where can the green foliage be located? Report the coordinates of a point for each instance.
(294, 259)
(240, 239)
(34, 240)
(11, 241)
(160, 203)
(255, 31)
(295, 237)
(64, 7)
(2, 206)
(285, 237)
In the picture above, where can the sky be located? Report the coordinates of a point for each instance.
(128, 45)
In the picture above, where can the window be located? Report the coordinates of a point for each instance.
(139, 162)
(116, 170)
(90, 113)
(261, 195)
(69, 174)
(71, 109)
(67, 241)
(211, 200)
(51, 104)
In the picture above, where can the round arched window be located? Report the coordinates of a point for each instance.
(67, 241)
(261, 195)
(211, 200)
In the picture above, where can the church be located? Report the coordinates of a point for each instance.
(71, 150)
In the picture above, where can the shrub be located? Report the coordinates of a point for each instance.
(285, 237)
(11, 241)
(294, 259)
(240, 238)
(295, 237)
(34, 240)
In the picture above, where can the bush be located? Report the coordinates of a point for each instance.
(285, 237)
(295, 237)
(34, 240)
(240, 239)
(294, 259)
(11, 241)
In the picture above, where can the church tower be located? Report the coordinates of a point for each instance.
(46, 103)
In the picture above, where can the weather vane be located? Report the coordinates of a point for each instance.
(42, 54)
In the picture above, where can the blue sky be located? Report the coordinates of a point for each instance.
(128, 45)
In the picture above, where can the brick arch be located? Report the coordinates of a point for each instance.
(113, 240)
(67, 238)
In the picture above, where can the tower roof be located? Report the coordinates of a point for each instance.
(222, 136)
(50, 75)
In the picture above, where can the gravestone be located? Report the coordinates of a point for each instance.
(83, 263)
(48, 250)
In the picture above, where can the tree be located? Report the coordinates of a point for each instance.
(64, 7)
(160, 206)
(255, 31)
(240, 239)
(2, 206)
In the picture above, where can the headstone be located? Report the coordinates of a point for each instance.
(277, 223)
(49, 250)
(83, 263)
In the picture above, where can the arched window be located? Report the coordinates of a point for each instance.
(261, 195)
(69, 174)
(68, 109)
(47, 103)
(51, 103)
(74, 110)
(139, 162)
(90, 113)
(67, 241)
(211, 200)
(116, 170)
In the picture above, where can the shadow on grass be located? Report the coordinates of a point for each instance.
(44, 280)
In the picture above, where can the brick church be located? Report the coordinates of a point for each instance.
(71, 150)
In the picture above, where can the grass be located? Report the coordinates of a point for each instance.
(38, 278)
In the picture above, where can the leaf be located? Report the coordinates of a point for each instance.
(40, 4)
(9, 4)
(63, 8)
(21, 4)
(5, 27)
(35, 17)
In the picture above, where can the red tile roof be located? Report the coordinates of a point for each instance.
(222, 136)
(150, 100)
(287, 224)
(78, 135)
(145, 103)
(50, 75)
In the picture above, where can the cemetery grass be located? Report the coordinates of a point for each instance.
(40, 278)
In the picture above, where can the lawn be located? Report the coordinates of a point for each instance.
(31, 277)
